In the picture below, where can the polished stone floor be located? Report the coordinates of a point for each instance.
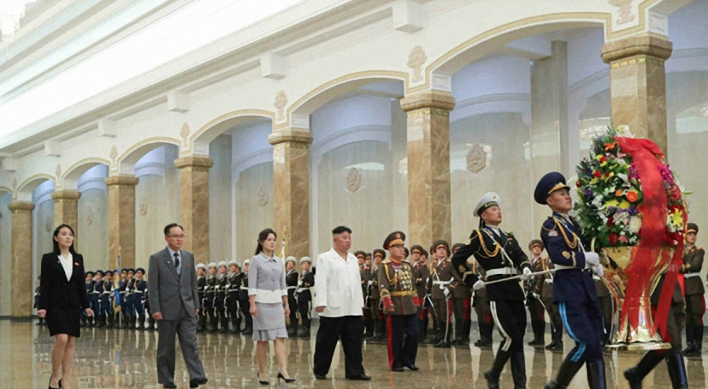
(126, 359)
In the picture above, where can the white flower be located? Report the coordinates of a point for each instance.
(623, 130)
(635, 223)
(622, 176)
(621, 218)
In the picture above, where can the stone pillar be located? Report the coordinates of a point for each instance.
(194, 205)
(291, 195)
(121, 220)
(66, 210)
(638, 84)
(21, 251)
(428, 165)
(549, 119)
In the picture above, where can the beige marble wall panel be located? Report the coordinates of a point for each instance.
(5, 255)
(121, 220)
(220, 211)
(399, 157)
(21, 246)
(291, 196)
(66, 211)
(93, 221)
(194, 204)
(549, 119)
(254, 207)
(428, 165)
(157, 204)
(638, 84)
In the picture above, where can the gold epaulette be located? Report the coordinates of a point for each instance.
(571, 244)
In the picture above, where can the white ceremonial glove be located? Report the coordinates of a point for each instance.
(526, 274)
(598, 270)
(478, 285)
(592, 259)
(446, 292)
(536, 296)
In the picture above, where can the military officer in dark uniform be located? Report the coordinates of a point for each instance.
(107, 299)
(220, 300)
(544, 288)
(694, 291)
(210, 297)
(604, 300)
(533, 299)
(129, 313)
(201, 292)
(139, 299)
(461, 308)
(499, 254)
(400, 302)
(243, 301)
(674, 359)
(232, 297)
(360, 257)
(441, 284)
(304, 295)
(365, 282)
(480, 302)
(374, 300)
(121, 317)
(420, 279)
(291, 279)
(85, 320)
(573, 287)
(95, 299)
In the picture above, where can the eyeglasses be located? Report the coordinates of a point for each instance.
(177, 236)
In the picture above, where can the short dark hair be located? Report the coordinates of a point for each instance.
(170, 226)
(341, 229)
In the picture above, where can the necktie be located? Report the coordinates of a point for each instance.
(176, 260)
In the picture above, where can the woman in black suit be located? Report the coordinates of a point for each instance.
(62, 299)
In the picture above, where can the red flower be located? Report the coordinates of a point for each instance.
(613, 238)
(611, 221)
(604, 158)
(597, 174)
(577, 183)
(675, 192)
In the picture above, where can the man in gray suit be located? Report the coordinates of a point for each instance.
(173, 294)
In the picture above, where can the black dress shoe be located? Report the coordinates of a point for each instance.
(287, 380)
(320, 377)
(362, 377)
(398, 369)
(413, 367)
(260, 381)
(194, 383)
(169, 386)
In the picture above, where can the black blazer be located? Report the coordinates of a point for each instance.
(56, 291)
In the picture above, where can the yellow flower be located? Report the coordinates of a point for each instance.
(611, 203)
(598, 157)
(603, 164)
(593, 181)
(677, 218)
(624, 204)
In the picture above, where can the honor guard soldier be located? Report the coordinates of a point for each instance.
(499, 254)
(360, 257)
(139, 299)
(374, 297)
(674, 359)
(96, 301)
(365, 281)
(220, 302)
(121, 317)
(441, 284)
(573, 287)
(480, 302)
(694, 291)
(420, 279)
(148, 312)
(243, 300)
(543, 288)
(533, 299)
(130, 300)
(461, 308)
(400, 303)
(210, 296)
(107, 298)
(85, 320)
(37, 295)
(304, 296)
(201, 293)
(232, 298)
(291, 280)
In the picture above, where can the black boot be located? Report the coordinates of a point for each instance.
(466, 327)
(518, 370)
(131, 324)
(458, 333)
(141, 322)
(224, 325)
(214, 324)
(566, 372)
(305, 333)
(557, 339)
(596, 374)
(636, 374)
(235, 325)
(492, 375)
(689, 341)
(124, 321)
(109, 321)
(697, 339)
(677, 371)
(151, 323)
(248, 330)
(539, 328)
(446, 334)
(485, 335)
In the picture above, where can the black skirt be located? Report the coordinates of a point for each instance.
(64, 320)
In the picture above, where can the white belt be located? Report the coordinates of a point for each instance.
(442, 282)
(292, 287)
(300, 290)
(564, 267)
(596, 278)
(246, 289)
(506, 271)
(548, 281)
(689, 275)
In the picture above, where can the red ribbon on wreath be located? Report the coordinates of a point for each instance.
(647, 157)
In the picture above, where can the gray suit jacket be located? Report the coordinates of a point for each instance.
(168, 291)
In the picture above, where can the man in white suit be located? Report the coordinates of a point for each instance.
(339, 302)
(175, 305)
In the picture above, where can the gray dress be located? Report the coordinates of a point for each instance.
(266, 280)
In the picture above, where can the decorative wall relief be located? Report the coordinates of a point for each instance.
(184, 133)
(90, 215)
(114, 158)
(143, 206)
(624, 11)
(353, 180)
(476, 158)
(48, 223)
(262, 196)
(416, 59)
(281, 100)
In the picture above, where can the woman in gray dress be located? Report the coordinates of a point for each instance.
(268, 297)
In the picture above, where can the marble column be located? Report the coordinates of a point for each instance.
(549, 119)
(291, 192)
(638, 84)
(194, 205)
(66, 210)
(121, 220)
(21, 252)
(428, 165)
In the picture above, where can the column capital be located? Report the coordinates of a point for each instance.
(434, 99)
(122, 180)
(650, 45)
(194, 162)
(291, 135)
(18, 206)
(67, 194)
